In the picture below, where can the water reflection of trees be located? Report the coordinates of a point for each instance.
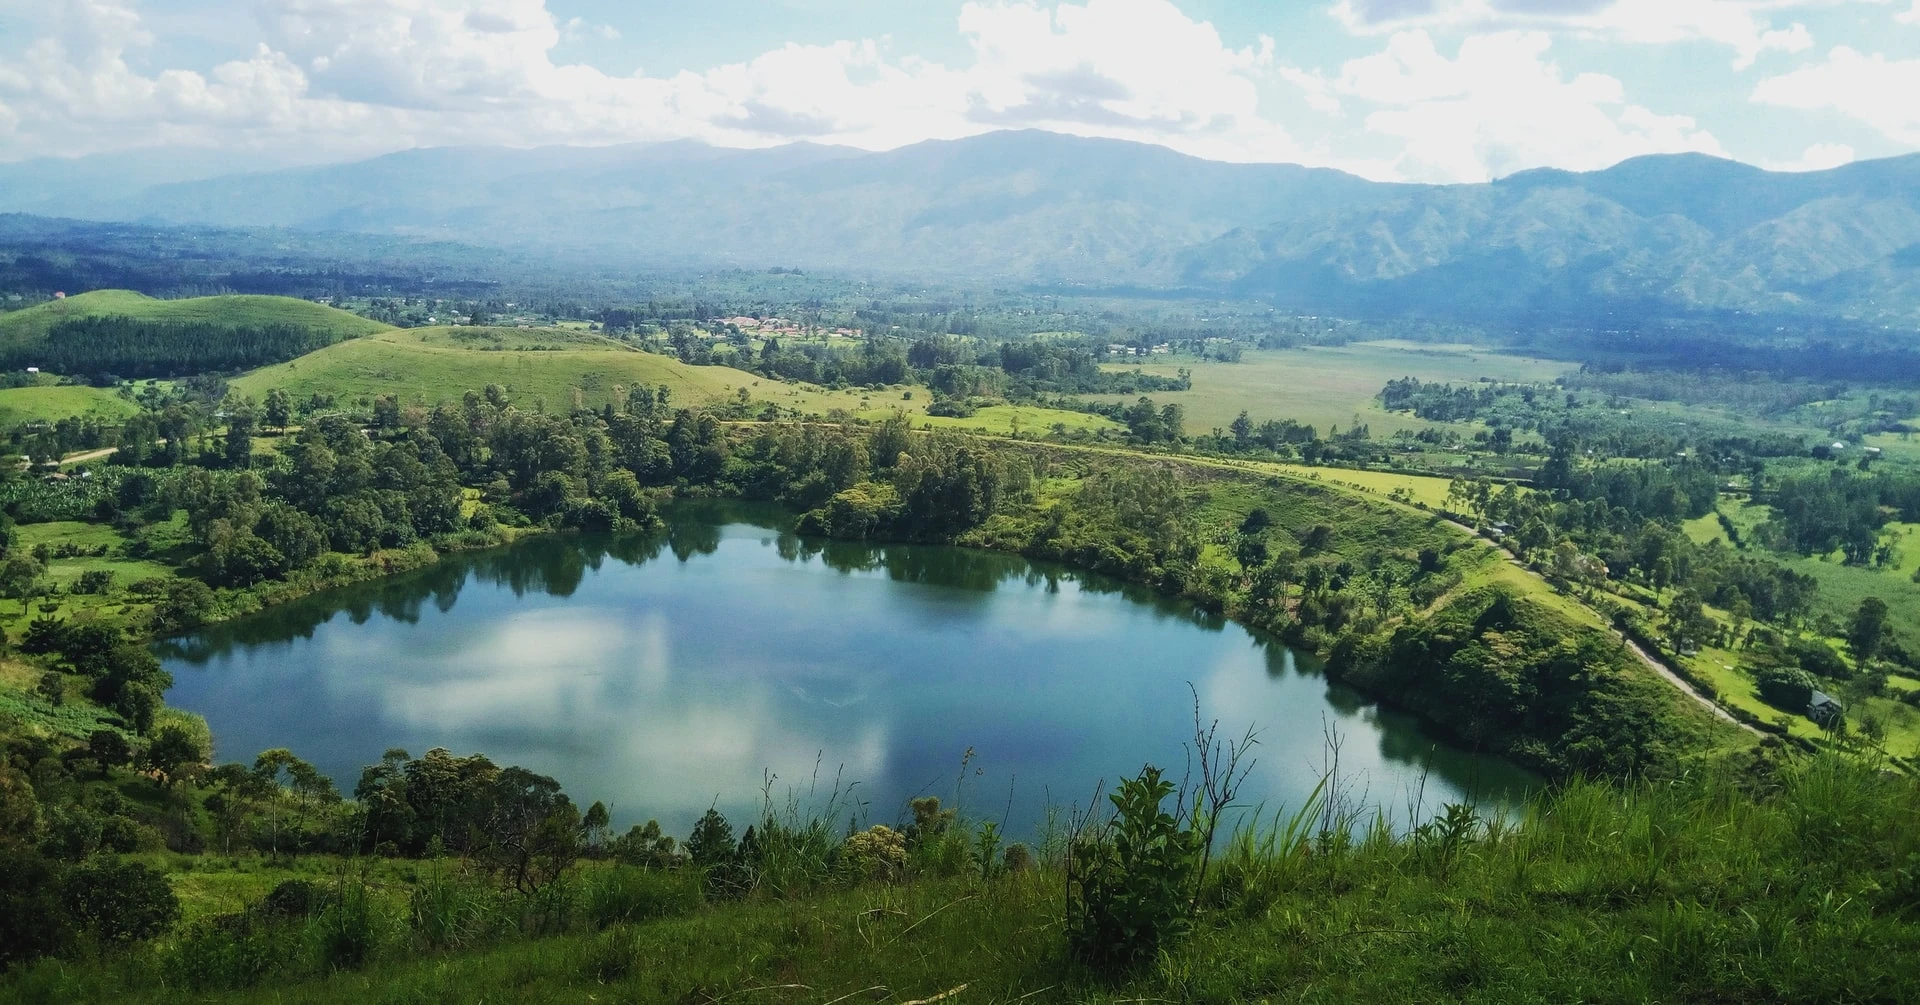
(558, 565)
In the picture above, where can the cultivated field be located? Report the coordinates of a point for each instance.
(1332, 385)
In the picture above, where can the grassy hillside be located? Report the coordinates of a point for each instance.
(121, 334)
(564, 368)
(1701, 890)
(560, 368)
(28, 326)
(51, 404)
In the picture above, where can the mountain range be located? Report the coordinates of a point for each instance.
(1680, 233)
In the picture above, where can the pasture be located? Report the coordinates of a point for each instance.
(47, 403)
(1328, 386)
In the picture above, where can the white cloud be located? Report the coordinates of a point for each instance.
(1502, 106)
(1129, 68)
(342, 78)
(1818, 157)
(369, 73)
(1735, 24)
(1871, 89)
(1910, 17)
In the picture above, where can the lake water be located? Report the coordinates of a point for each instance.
(670, 672)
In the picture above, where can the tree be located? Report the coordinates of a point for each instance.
(33, 920)
(120, 901)
(711, 842)
(109, 747)
(531, 831)
(172, 753)
(386, 412)
(239, 442)
(22, 578)
(1868, 631)
(279, 411)
(1242, 430)
(595, 825)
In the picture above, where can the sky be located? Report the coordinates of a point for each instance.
(1413, 90)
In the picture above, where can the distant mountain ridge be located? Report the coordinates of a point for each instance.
(1676, 233)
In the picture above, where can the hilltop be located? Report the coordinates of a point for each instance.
(131, 335)
(26, 326)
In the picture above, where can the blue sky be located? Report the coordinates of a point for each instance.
(1428, 90)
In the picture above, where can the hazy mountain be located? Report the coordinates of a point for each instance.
(1667, 233)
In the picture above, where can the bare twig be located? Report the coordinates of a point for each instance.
(942, 996)
(862, 991)
(763, 987)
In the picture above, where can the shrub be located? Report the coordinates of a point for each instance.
(1784, 687)
(879, 852)
(120, 901)
(1129, 883)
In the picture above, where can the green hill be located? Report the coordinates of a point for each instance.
(131, 335)
(51, 404)
(560, 367)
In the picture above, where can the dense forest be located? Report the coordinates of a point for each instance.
(111, 348)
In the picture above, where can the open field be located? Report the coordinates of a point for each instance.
(51, 404)
(1899, 722)
(34, 322)
(89, 537)
(1429, 489)
(1842, 587)
(1329, 386)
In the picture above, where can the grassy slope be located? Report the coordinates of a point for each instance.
(32, 324)
(1329, 386)
(1697, 891)
(51, 404)
(563, 368)
(429, 365)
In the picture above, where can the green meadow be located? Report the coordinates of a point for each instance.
(1328, 386)
(48, 403)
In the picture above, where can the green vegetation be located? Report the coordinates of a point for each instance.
(27, 326)
(51, 403)
(1731, 524)
(1760, 881)
(1328, 386)
(118, 333)
(428, 366)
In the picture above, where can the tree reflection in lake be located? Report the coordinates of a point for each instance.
(662, 685)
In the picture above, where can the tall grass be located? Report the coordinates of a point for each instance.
(1722, 885)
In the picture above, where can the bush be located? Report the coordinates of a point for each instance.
(624, 894)
(120, 901)
(877, 853)
(1784, 687)
(1129, 884)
